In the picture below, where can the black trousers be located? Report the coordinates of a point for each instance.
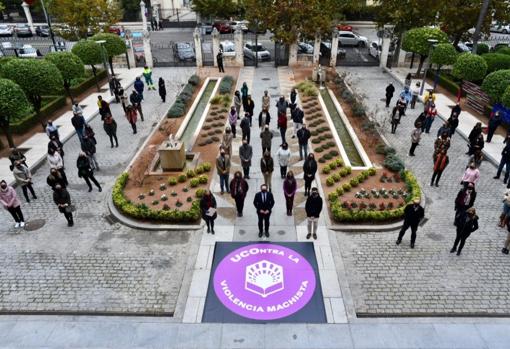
(139, 109)
(112, 137)
(133, 126)
(282, 134)
(69, 216)
(414, 228)
(460, 238)
(239, 204)
(246, 135)
(283, 171)
(436, 176)
(16, 213)
(25, 188)
(264, 149)
(388, 100)
(393, 127)
(233, 128)
(220, 67)
(263, 222)
(210, 223)
(89, 178)
(413, 147)
(246, 171)
(308, 184)
(289, 202)
(63, 174)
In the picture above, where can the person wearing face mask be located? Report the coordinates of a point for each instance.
(16, 155)
(244, 95)
(62, 199)
(89, 148)
(413, 214)
(313, 208)
(226, 142)
(51, 130)
(441, 143)
(85, 171)
(474, 138)
(232, 120)
(293, 96)
(283, 156)
(9, 200)
(504, 162)
(282, 106)
(249, 108)
(23, 178)
(110, 127)
(56, 145)
(238, 189)
(264, 203)
(55, 161)
(297, 118)
(245, 127)
(264, 118)
(55, 178)
(266, 139)
(303, 136)
(441, 160)
(471, 175)
(237, 102)
(309, 171)
(208, 209)
(266, 101)
(223, 168)
(245, 154)
(267, 168)
(465, 199)
(466, 224)
(453, 121)
(282, 125)
(289, 190)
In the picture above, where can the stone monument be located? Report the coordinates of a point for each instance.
(172, 155)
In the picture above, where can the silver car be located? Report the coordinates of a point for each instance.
(250, 50)
(6, 30)
(346, 38)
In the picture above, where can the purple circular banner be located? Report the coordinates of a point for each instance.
(264, 281)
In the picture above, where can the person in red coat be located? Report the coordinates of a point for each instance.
(441, 160)
(132, 117)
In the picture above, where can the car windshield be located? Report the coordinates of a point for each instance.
(183, 46)
(258, 48)
(27, 50)
(4, 27)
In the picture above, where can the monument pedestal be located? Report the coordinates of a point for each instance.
(172, 156)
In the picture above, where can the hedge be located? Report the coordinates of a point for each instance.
(496, 61)
(50, 105)
(446, 82)
(496, 83)
(143, 212)
(343, 215)
(180, 105)
(226, 84)
(88, 82)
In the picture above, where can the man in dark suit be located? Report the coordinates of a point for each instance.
(413, 214)
(264, 203)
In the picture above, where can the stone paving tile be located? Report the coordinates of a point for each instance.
(389, 279)
(94, 266)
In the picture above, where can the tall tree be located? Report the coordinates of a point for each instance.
(215, 9)
(70, 66)
(89, 52)
(83, 16)
(13, 106)
(416, 40)
(442, 54)
(407, 14)
(114, 46)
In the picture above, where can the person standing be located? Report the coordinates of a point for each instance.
(428, 99)
(62, 199)
(441, 160)
(136, 101)
(494, 122)
(51, 130)
(401, 106)
(264, 203)
(413, 214)
(293, 96)
(78, 122)
(283, 155)
(503, 217)
(297, 118)
(55, 178)
(104, 106)
(471, 175)
(453, 122)
(223, 169)
(250, 106)
(415, 92)
(408, 80)
(147, 75)
(77, 109)
(123, 99)
(415, 138)
(208, 209)
(9, 200)
(232, 120)
(303, 136)
(266, 101)
(430, 116)
(395, 119)
(465, 199)
(264, 118)
(238, 190)
(282, 125)
(267, 168)
(162, 89)
(55, 161)
(85, 171)
(476, 158)
(282, 106)
(456, 110)
(504, 162)
(244, 95)
(313, 208)
(442, 143)
(266, 139)
(90, 134)
(245, 127)
(309, 171)
(56, 145)
(89, 148)
(226, 142)
(466, 224)
(237, 102)
(110, 127)
(23, 178)
(219, 60)
(139, 87)
(131, 117)
(289, 191)
(390, 90)
(473, 138)
(506, 247)
(245, 154)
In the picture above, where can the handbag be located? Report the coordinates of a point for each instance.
(70, 208)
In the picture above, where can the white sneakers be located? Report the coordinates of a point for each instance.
(19, 225)
(16, 225)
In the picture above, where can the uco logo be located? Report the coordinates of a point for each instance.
(264, 281)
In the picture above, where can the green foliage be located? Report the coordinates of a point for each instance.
(416, 39)
(496, 61)
(181, 178)
(393, 163)
(203, 179)
(13, 102)
(172, 181)
(505, 99)
(50, 104)
(495, 84)
(307, 88)
(180, 105)
(215, 8)
(114, 44)
(190, 173)
(69, 65)
(446, 81)
(194, 182)
(330, 181)
(89, 52)
(226, 84)
(484, 48)
(469, 67)
(200, 192)
(444, 54)
(326, 169)
(206, 166)
(194, 80)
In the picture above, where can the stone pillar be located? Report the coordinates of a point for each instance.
(198, 47)
(143, 10)
(401, 57)
(131, 54)
(155, 13)
(293, 49)
(383, 60)
(238, 41)
(215, 44)
(147, 49)
(334, 48)
(317, 49)
(26, 8)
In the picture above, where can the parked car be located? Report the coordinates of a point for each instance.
(115, 29)
(228, 47)
(304, 47)
(242, 24)
(27, 51)
(463, 47)
(185, 52)
(23, 30)
(223, 27)
(206, 28)
(500, 28)
(344, 27)
(374, 49)
(326, 49)
(6, 30)
(346, 38)
(250, 50)
(42, 30)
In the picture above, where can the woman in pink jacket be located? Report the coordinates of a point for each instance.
(9, 200)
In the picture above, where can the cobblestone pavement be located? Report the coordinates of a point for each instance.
(97, 265)
(389, 279)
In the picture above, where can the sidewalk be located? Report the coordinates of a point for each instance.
(36, 148)
(491, 151)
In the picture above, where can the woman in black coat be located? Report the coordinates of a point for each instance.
(110, 127)
(465, 199)
(62, 199)
(162, 89)
(466, 224)
(85, 171)
(208, 209)
(309, 170)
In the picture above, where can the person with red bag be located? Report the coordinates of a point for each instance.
(441, 160)
(132, 116)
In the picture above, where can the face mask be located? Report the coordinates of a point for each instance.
(289, 176)
(222, 153)
(264, 190)
(4, 186)
(315, 194)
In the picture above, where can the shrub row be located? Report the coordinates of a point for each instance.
(87, 82)
(226, 85)
(307, 88)
(50, 105)
(181, 102)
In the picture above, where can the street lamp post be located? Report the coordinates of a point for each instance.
(103, 54)
(48, 21)
(431, 42)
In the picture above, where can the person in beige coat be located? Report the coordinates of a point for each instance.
(226, 142)
(223, 168)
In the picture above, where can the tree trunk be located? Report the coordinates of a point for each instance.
(5, 128)
(456, 40)
(436, 79)
(110, 60)
(94, 71)
(422, 59)
(67, 87)
(36, 102)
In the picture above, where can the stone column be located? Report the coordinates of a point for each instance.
(26, 8)
(238, 41)
(401, 57)
(131, 54)
(293, 49)
(215, 44)
(383, 60)
(155, 13)
(147, 49)
(334, 48)
(198, 47)
(317, 49)
(143, 10)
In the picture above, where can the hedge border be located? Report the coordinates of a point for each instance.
(24, 124)
(88, 83)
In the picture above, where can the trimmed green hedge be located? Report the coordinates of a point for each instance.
(183, 100)
(50, 105)
(446, 82)
(143, 212)
(496, 61)
(88, 82)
